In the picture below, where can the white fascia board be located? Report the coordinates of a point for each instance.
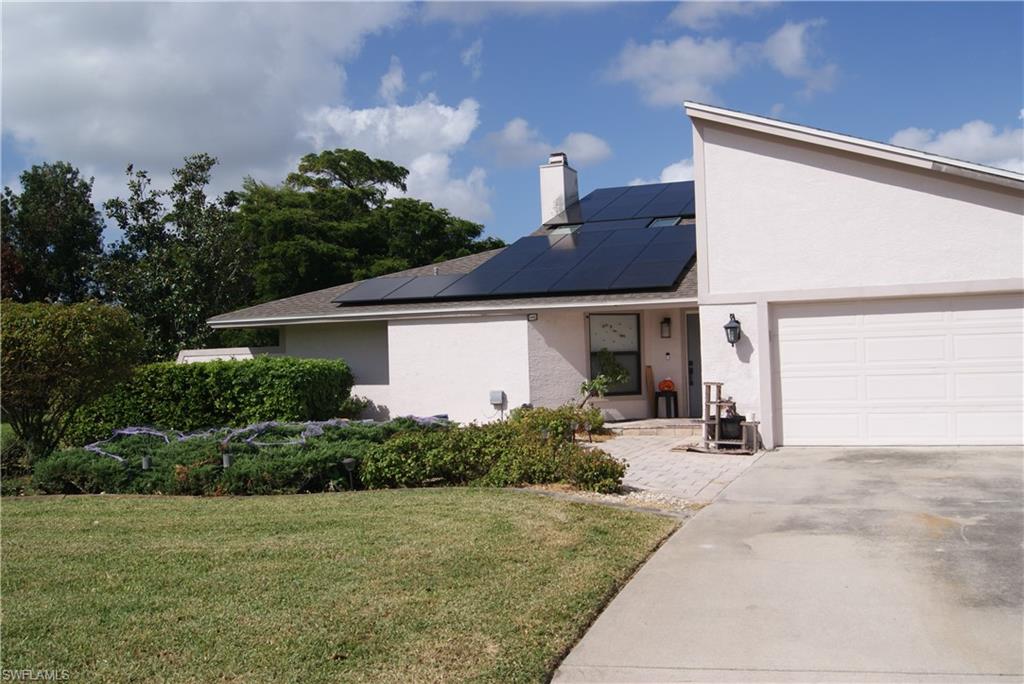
(848, 143)
(449, 312)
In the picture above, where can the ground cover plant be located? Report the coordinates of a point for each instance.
(449, 584)
(537, 446)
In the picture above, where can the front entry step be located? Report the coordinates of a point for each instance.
(658, 427)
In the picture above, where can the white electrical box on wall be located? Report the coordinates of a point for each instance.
(497, 397)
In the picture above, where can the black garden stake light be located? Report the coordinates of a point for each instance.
(350, 466)
(732, 330)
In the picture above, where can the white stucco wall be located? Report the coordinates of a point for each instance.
(779, 215)
(363, 345)
(451, 365)
(736, 367)
(559, 360)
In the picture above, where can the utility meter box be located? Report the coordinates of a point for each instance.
(497, 397)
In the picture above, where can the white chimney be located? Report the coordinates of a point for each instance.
(558, 186)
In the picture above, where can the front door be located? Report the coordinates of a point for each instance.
(693, 376)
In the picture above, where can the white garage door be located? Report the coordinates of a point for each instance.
(897, 372)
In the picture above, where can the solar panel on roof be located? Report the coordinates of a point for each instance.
(569, 252)
(675, 200)
(372, 290)
(629, 203)
(423, 287)
(478, 283)
(530, 281)
(598, 200)
(649, 274)
(594, 226)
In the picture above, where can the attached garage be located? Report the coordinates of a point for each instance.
(880, 289)
(900, 372)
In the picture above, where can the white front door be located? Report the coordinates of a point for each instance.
(942, 371)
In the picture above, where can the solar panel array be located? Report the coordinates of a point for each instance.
(612, 248)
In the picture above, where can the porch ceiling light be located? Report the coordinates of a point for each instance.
(732, 330)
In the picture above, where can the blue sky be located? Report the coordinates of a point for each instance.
(470, 97)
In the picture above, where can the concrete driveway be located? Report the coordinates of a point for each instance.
(851, 565)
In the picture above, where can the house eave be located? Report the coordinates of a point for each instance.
(850, 144)
(462, 310)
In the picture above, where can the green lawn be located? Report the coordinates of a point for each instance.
(401, 585)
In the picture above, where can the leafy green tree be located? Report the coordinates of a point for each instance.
(54, 359)
(330, 222)
(52, 231)
(182, 258)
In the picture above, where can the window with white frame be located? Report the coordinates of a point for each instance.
(616, 336)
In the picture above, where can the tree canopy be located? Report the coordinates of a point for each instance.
(182, 258)
(332, 222)
(51, 235)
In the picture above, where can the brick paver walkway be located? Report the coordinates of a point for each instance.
(653, 466)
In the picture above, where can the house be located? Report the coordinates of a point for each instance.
(879, 294)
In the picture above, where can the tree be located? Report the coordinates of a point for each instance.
(53, 233)
(331, 222)
(182, 258)
(55, 358)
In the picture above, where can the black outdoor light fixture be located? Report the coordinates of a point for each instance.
(666, 328)
(350, 465)
(732, 330)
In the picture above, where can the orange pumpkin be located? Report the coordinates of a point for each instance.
(666, 385)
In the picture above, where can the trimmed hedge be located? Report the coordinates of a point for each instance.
(196, 396)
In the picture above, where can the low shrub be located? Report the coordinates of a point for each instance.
(495, 454)
(77, 471)
(219, 393)
(562, 421)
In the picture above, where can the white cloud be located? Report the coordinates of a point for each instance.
(422, 137)
(790, 50)
(585, 149)
(104, 85)
(517, 143)
(680, 171)
(703, 16)
(427, 76)
(976, 141)
(472, 58)
(685, 69)
(688, 68)
(777, 109)
(466, 13)
(392, 83)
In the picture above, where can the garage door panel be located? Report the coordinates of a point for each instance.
(889, 372)
(992, 385)
(822, 351)
(889, 349)
(907, 387)
(826, 388)
(908, 427)
(990, 427)
(1002, 345)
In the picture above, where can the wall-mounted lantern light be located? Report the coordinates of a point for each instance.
(732, 330)
(666, 328)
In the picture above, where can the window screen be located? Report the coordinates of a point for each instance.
(618, 335)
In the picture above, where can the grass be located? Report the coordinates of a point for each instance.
(403, 585)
